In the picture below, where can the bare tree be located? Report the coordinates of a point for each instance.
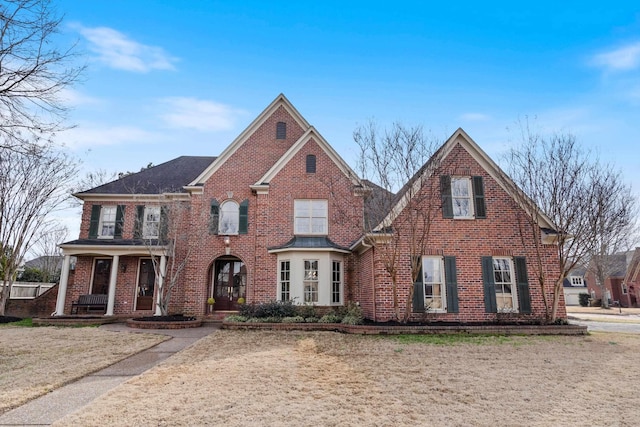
(33, 72)
(397, 164)
(611, 220)
(33, 184)
(555, 183)
(46, 247)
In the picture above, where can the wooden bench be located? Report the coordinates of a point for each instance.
(94, 301)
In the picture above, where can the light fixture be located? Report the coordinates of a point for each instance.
(227, 243)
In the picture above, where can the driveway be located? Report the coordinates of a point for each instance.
(614, 322)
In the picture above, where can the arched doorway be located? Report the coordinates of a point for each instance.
(227, 282)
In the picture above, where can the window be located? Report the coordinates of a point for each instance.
(462, 197)
(336, 282)
(624, 289)
(577, 281)
(433, 280)
(285, 280)
(107, 222)
(505, 284)
(151, 226)
(229, 217)
(281, 130)
(310, 217)
(310, 281)
(311, 163)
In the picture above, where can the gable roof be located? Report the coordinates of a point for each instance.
(311, 133)
(280, 101)
(168, 177)
(470, 146)
(633, 269)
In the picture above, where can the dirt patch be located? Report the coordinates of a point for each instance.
(35, 361)
(240, 378)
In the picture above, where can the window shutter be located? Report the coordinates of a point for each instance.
(119, 222)
(244, 217)
(478, 194)
(95, 221)
(137, 228)
(451, 280)
(213, 219)
(490, 304)
(163, 232)
(522, 280)
(447, 200)
(418, 292)
(311, 163)
(281, 130)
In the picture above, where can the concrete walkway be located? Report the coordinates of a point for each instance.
(51, 407)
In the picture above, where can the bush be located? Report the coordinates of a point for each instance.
(352, 320)
(271, 319)
(306, 311)
(235, 318)
(269, 309)
(293, 319)
(583, 298)
(331, 318)
(311, 319)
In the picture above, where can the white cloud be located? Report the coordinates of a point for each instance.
(624, 58)
(198, 114)
(474, 117)
(89, 135)
(75, 98)
(118, 51)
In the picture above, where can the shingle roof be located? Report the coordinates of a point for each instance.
(377, 204)
(168, 177)
(305, 242)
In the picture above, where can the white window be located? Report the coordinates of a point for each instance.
(503, 273)
(577, 281)
(462, 197)
(624, 289)
(151, 224)
(229, 218)
(336, 282)
(285, 280)
(310, 281)
(433, 281)
(107, 225)
(310, 217)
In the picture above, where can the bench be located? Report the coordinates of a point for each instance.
(94, 301)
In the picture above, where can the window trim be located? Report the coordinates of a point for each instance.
(235, 216)
(282, 281)
(470, 197)
(442, 283)
(313, 290)
(310, 218)
(339, 282)
(101, 222)
(145, 224)
(515, 306)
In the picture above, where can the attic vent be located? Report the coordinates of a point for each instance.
(281, 130)
(311, 163)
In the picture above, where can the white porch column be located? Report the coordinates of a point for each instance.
(112, 285)
(163, 266)
(62, 287)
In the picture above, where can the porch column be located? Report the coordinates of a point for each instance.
(163, 266)
(112, 285)
(62, 286)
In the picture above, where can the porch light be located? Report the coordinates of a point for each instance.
(227, 243)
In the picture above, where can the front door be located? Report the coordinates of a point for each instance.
(101, 276)
(146, 285)
(229, 282)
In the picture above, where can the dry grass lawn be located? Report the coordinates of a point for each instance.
(34, 361)
(258, 378)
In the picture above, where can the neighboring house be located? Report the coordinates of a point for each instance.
(615, 289)
(50, 265)
(574, 285)
(278, 216)
(632, 278)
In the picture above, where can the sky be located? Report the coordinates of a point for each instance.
(171, 78)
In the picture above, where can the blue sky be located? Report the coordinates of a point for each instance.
(170, 78)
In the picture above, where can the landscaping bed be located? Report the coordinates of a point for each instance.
(176, 321)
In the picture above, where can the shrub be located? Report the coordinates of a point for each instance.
(306, 310)
(331, 318)
(583, 298)
(293, 319)
(272, 319)
(352, 320)
(235, 318)
(269, 309)
(311, 319)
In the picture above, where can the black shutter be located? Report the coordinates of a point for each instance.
(119, 222)
(490, 304)
(164, 224)
(478, 194)
(213, 219)
(522, 280)
(311, 163)
(137, 227)
(244, 217)
(418, 290)
(95, 221)
(451, 280)
(447, 200)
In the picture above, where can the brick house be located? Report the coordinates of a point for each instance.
(278, 215)
(621, 282)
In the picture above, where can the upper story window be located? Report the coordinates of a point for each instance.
(462, 197)
(151, 222)
(107, 227)
(311, 163)
(577, 281)
(229, 217)
(281, 130)
(310, 217)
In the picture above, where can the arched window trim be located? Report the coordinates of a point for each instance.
(229, 222)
